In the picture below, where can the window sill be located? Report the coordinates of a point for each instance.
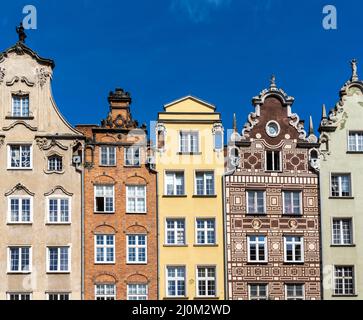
(131, 167)
(19, 169)
(205, 245)
(14, 273)
(344, 295)
(136, 213)
(256, 263)
(136, 263)
(176, 298)
(354, 152)
(341, 198)
(58, 224)
(108, 213)
(104, 263)
(58, 272)
(19, 118)
(19, 223)
(106, 166)
(297, 215)
(287, 263)
(342, 245)
(189, 153)
(54, 172)
(175, 196)
(205, 196)
(206, 298)
(175, 245)
(255, 214)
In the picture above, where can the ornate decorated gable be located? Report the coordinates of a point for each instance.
(273, 119)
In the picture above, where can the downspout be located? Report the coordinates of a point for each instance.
(157, 236)
(226, 293)
(320, 238)
(82, 227)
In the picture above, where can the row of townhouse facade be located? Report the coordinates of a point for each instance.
(99, 212)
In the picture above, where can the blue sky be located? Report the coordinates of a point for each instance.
(223, 51)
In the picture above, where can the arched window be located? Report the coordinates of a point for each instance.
(55, 163)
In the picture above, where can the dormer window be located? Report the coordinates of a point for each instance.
(20, 106)
(55, 163)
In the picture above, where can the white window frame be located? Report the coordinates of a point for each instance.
(189, 134)
(58, 158)
(295, 297)
(58, 294)
(20, 198)
(273, 160)
(205, 230)
(21, 145)
(218, 132)
(264, 203)
(104, 197)
(206, 280)
(259, 297)
(108, 157)
(341, 232)
(59, 199)
(175, 280)
(133, 158)
(339, 175)
(256, 244)
(356, 134)
(20, 248)
(137, 295)
(113, 296)
(22, 98)
(136, 198)
(292, 202)
(105, 246)
(59, 260)
(136, 247)
(174, 183)
(175, 230)
(294, 249)
(8, 294)
(204, 173)
(343, 278)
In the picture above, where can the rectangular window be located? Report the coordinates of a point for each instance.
(256, 202)
(257, 249)
(55, 163)
(59, 210)
(20, 210)
(175, 279)
(355, 142)
(206, 231)
(175, 232)
(19, 260)
(189, 142)
(295, 292)
(105, 292)
(341, 185)
(292, 202)
(204, 183)
(137, 292)
(218, 140)
(174, 184)
(206, 281)
(58, 296)
(104, 249)
(20, 157)
(258, 292)
(19, 296)
(344, 281)
(136, 249)
(136, 199)
(342, 232)
(294, 249)
(58, 260)
(273, 161)
(108, 156)
(20, 106)
(104, 199)
(133, 156)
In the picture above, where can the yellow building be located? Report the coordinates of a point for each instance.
(190, 165)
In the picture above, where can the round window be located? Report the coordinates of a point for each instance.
(273, 129)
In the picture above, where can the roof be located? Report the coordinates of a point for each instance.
(190, 97)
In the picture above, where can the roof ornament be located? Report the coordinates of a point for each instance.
(234, 123)
(273, 82)
(354, 64)
(21, 33)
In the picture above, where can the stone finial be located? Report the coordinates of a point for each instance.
(354, 64)
(311, 126)
(234, 123)
(324, 113)
(273, 82)
(21, 33)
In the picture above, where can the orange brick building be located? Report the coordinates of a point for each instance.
(120, 260)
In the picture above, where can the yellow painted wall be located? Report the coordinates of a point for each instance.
(189, 207)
